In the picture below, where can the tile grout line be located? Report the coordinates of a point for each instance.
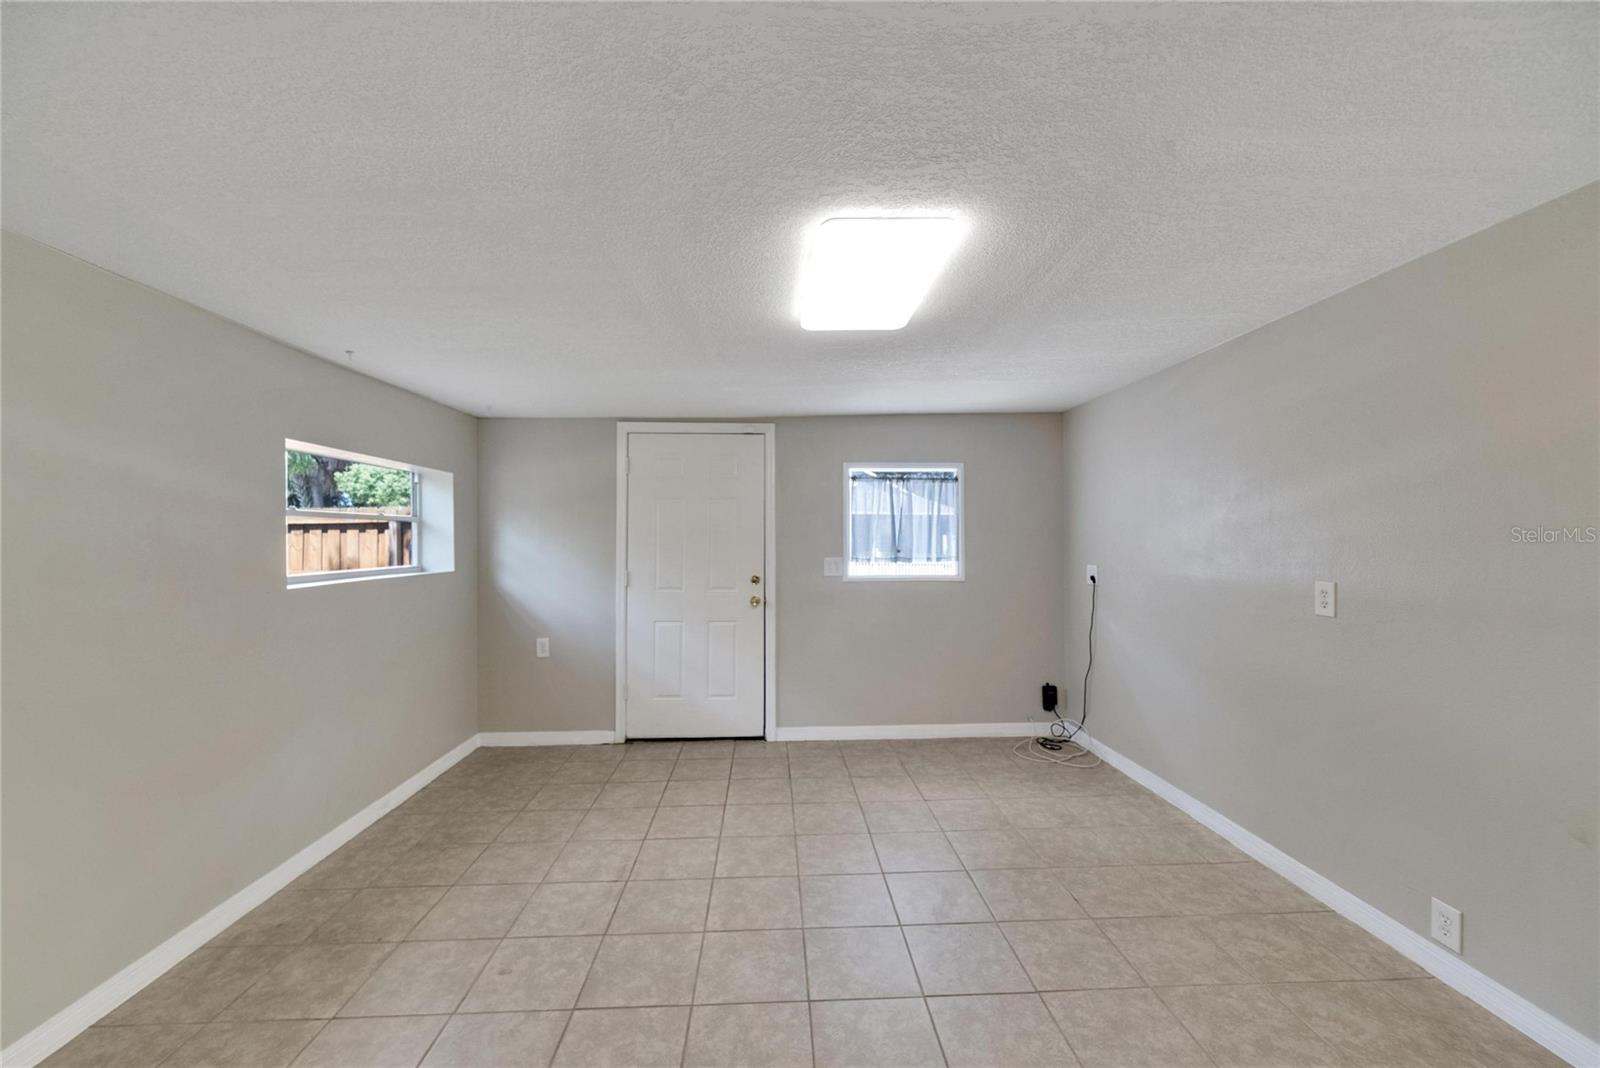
(555, 1050)
(705, 924)
(498, 944)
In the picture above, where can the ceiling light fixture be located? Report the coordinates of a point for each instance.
(872, 273)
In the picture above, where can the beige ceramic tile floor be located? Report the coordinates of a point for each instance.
(722, 903)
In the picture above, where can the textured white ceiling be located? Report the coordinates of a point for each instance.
(593, 209)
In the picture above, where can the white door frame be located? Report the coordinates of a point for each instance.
(769, 619)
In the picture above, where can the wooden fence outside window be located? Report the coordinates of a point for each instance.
(322, 544)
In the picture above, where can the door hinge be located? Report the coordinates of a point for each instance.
(627, 465)
(627, 579)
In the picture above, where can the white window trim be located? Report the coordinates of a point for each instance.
(303, 579)
(961, 520)
(355, 574)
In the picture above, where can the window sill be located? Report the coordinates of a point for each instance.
(960, 576)
(340, 578)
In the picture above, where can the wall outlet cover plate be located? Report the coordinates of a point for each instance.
(1445, 926)
(1325, 598)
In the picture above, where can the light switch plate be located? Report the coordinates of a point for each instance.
(832, 566)
(1325, 598)
(541, 647)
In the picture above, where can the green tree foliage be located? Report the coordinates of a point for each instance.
(326, 482)
(369, 486)
(311, 480)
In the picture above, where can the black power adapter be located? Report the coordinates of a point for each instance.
(1049, 698)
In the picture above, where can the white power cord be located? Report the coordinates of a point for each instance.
(1069, 754)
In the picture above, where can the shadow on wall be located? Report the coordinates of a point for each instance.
(540, 589)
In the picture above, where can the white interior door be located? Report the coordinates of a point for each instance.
(696, 585)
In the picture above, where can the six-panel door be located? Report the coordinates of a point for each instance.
(696, 593)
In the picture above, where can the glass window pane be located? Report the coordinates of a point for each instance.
(904, 522)
(330, 482)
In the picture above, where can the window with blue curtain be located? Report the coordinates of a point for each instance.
(904, 521)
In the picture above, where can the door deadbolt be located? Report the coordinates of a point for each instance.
(755, 580)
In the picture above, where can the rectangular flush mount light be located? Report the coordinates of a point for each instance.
(871, 273)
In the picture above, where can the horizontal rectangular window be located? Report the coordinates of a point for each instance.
(347, 515)
(903, 521)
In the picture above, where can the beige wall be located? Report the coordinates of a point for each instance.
(177, 723)
(848, 653)
(974, 651)
(1438, 738)
(548, 549)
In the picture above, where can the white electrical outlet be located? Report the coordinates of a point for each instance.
(1325, 598)
(1091, 575)
(1446, 926)
(832, 566)
(541, 647)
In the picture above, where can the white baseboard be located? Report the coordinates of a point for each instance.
(1556, 1036)
(504, 738)
(1562, 1039)
(71, 1021)
(907, 730)
(786, 734)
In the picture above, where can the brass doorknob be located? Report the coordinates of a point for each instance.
(755, 602)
